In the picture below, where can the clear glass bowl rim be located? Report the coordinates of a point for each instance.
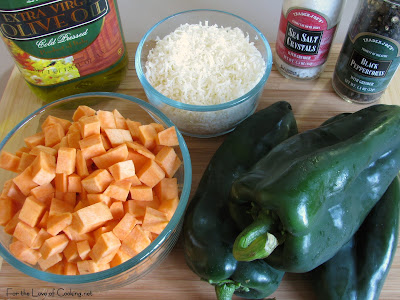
(187, 180)
(203, 108)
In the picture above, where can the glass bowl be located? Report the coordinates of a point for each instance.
(203, 120)
(153, 255)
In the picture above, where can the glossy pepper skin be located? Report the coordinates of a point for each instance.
(209, 231)
(314, 190)
(358, 271)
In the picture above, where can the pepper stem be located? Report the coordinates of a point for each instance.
(255, 241)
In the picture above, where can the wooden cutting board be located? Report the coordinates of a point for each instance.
(313, 102)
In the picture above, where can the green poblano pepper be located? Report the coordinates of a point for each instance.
(359, 269)
(209, 230)
(312, 192)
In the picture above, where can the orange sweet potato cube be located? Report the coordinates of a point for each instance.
(40, 148)
(53, 134)
(25, 233)
(167, 159)
(25, 161)
(24, 181)
(70, 268)
(167, 188)
(119, 258)
(95, 198)
(89, 267)
(150, 174)
(58, 206)
(24, 253)
(43, 221)
(73, 234)
(7, 210)
(10, 226)
(74, 183)
(73, 139)
(34, 140)
(9, 161)
(140, 149)
(83, 111)
(157, 126)
(112, 156)
(61, 182)
(136, 241)
(147, 136)
(71, 252)
(91, 217)
(168, 137)
(125, 226)
(107, 244)
(41, 237)
(168, 206)
(118, 136)
(47, 263)
(92, 146)
(81, 166)
(154, 220)
(54, 245)
(43, 193)
(32, 211)
(97, 181)
(43, 168)
(10, 190)
(66, 160)
(141, 193)
(133, 127)
(58, 222)
(50, 120)
(22, 150)
(117, 210)
(120, 122)
(118, 190)
(122, 170)
(107, 119)
(89, 125)
(83, 248)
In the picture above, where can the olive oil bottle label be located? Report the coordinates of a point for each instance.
(367, 62)
(53, 42)
(304, 38)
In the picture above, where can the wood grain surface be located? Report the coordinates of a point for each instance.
(313, 102)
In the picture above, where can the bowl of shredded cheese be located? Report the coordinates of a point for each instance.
(205, 69)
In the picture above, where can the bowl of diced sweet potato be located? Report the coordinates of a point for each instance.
(93, 190)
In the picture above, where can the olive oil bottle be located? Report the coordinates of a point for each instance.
(65, 47)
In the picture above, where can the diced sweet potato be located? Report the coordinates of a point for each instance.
(141, 149)
(168, 206)
(167, 159)
(117, 210)
(107, 119)
(81, 166)
(25, 161)
(58, 206)
(83, 248)
(150, 174)
(25, 233)
(58, 222)
(24, 181)
(50, 120)
(22, 252)
(44, 193)
(22, 150)
(136, 241)
(89, 266)
(97, 181)
(32, 211)
(34, 140)
(7, 210)
(120, 122)
(167, 137)
(147, 136)
(83, 111)
(53, 134)
(95, 198)
(43, 221)
(157, 126)
(61, 182)
(40, 148)
(54, 245)
(91, 217)
(167, 188)
(10, 226)
(154, 220)
(125, 226)
(66, 160)
(43, 168)
(107, 244)
(70, 268)
(74, 183)
(118, 190)
(141, 193)
(122, 170)
(50, 261)
(118, 136)
(89, 125)
(73, 234)
(41, 237)
(119, 258)
(133, 127)
(111, 157)
(92, 146)
(10, 190)
(9, 161)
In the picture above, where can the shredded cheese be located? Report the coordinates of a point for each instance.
(204, 65)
